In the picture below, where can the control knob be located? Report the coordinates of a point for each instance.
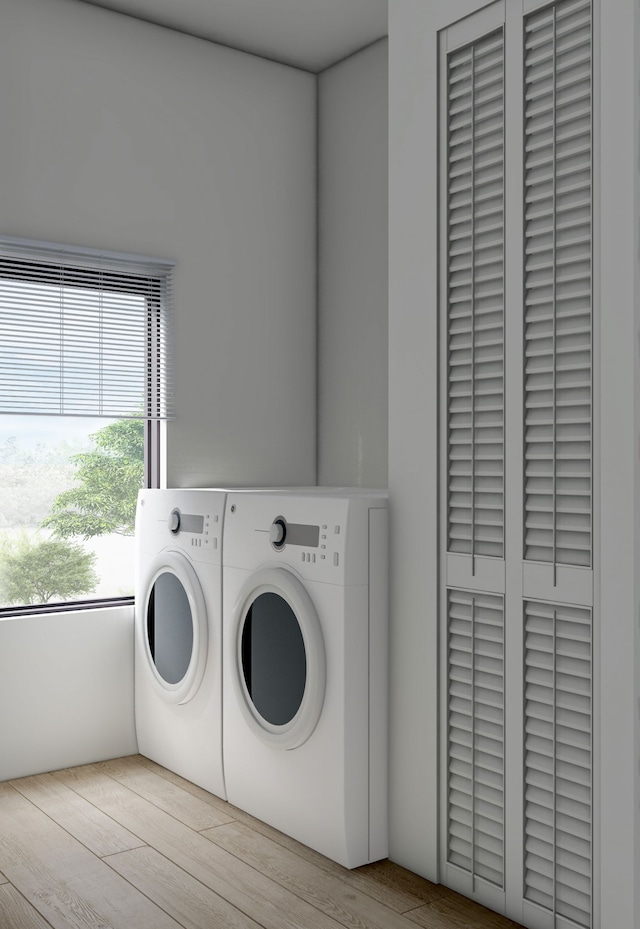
(278, 532)
(174, 521)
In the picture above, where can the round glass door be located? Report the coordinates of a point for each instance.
(170, 628)
(279, 658)
(274, 662)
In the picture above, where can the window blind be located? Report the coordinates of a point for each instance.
(84, 333)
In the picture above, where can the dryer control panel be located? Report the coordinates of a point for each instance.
(184, 520)
(322, 538)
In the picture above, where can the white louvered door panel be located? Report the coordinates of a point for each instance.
(558, 300)
(475, 309)
(472, 302)
(517, 444)
(475, 739)
(558, 809)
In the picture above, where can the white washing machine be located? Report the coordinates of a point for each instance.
(178, 632)
(305, 605)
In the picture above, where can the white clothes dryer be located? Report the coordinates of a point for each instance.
(178, 632)
(305, 718)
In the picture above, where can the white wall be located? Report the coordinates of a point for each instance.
(619, 462)
(353, 270)
(66, 690)
(121, 135)
(413, 430)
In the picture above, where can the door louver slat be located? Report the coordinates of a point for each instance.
(558, 759)
(557, 255)
(475, 297)
(476, 734)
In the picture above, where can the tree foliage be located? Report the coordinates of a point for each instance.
(39, 570)
(108, 479)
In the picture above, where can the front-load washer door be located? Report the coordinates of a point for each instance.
(279, 658)
(173, 628)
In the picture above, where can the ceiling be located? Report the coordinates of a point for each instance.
(308, 34)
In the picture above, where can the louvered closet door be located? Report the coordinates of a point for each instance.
(472, 299)
(473, 284)
(558, 755)
(475, 738)
(557, 302)
(558, 464)
(517, 806)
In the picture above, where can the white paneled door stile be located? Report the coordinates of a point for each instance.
(516, 307)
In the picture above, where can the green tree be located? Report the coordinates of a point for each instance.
(109, 477)
(38, 570)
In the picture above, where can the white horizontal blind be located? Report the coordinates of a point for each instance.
(475, 297)
(558, 760)
(558, 284)
(84, 333)
(475, 740)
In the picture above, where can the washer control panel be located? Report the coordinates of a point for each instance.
(187, 522)
(284, 533)
(184, 520)
(194, 530)
(322, 537)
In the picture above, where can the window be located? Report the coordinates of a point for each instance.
(85, 383)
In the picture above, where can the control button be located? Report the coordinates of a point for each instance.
(215, 543)
(313, 558)
(337, 530)
(302, 555)
(322, 557)
(336, 559)
(324, 527)
(323, 546)
(278, 532)
(174, 521)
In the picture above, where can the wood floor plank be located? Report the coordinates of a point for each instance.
(67, 884)
(248, 890)
(453, 911)
(386, 882)
(238, 873)
(89, 825)
(189, 809)
(410, 889)
(328, 893)
(192, 904)
(17, 913)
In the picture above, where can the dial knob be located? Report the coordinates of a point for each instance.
(174, 521)
(278, 532)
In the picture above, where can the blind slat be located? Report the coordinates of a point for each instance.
(84, 332)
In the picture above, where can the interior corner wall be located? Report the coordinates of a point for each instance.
(122, 135)
(353, 270)
(413, 431)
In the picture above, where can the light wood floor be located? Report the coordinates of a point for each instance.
(127, 844)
